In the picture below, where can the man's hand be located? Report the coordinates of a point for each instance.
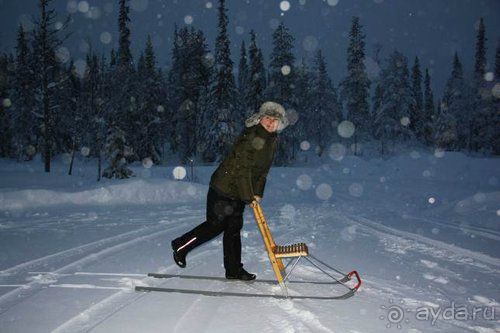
(256, 200)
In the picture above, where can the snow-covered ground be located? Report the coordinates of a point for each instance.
(422, 230)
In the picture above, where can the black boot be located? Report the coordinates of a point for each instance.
(179, 256)
(241, 274)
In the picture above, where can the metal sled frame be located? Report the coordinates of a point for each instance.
(295, 252)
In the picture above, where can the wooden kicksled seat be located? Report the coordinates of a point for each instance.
(295, 252)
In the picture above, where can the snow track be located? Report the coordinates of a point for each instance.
(78, 257)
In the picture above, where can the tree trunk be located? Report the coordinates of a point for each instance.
(72, 158)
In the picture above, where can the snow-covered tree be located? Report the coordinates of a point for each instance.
(5, 104)
(116, 149)
(355, 88)
(445, 128)
(256, 77)
(429, 111)
(24, 124)
(151, 109)
(73, 121)
(416, 109)
(456, 104)
(281, 87)
(302, 128)
(243, 80)
(45, 42)
(481, 116)
(192, 67)
(224, 92)
(123, 104)
(392, 119)
(325, 111)
(96, 86)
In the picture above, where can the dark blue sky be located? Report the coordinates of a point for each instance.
(430, 29)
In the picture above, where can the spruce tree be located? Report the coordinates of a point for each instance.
(496, 103)
(429, 112)
(224, 93)
(445, 133)
(393, 118)
(24, 123)
(416, 109)
(356, 86)
(256, 77)
(243, 80)
(281, 87)
(481, 117)
(46, 40)
(325, 113)
(123, 110)
(304, 128)
(455, 103)
(5, 105)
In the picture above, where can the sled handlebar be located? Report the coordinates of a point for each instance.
(356, 287)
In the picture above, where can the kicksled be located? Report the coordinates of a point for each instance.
(335, 284)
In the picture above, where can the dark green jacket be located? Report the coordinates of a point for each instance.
(243, 173)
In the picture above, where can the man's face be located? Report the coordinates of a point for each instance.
(269, 123)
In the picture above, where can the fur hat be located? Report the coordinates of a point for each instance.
(270, 109)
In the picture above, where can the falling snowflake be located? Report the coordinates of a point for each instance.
(285, 70)
(105, 37)
(284, 5)
(179, 172)
(188, 19)
(345, 129)
(324, 191)
(305, 145)
(304, 182)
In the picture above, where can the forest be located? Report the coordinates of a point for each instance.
(120, 110)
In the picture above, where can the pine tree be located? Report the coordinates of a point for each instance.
(445, 133)
(116, 148)
(393, 118)
(379, 130)
(126, 111)
(455, 103)
(123, 109)
(356, 86)
(149, 95)
(325, 114)
(224, 93)
(23, 119)
(303, 128)
(281, 87)
(243, 81)
(416, 109)
(429, 113)
(257, 77)
(5, 105)
(481, 117)
(45, 42)
(497, 61)
(192, 67)
(73, 121)
(496, 104)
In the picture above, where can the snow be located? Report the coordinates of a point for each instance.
(73, 249)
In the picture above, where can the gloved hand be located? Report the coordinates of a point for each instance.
(256, 200)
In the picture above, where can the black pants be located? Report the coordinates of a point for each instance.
(223, 215)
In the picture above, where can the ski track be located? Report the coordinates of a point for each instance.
(292, 316)
(86, 256)
(426, 245)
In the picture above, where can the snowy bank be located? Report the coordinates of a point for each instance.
(130, 191)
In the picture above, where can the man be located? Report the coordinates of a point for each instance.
(239, 180)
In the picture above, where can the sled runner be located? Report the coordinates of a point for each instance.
(294, 253)
(277, 253)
